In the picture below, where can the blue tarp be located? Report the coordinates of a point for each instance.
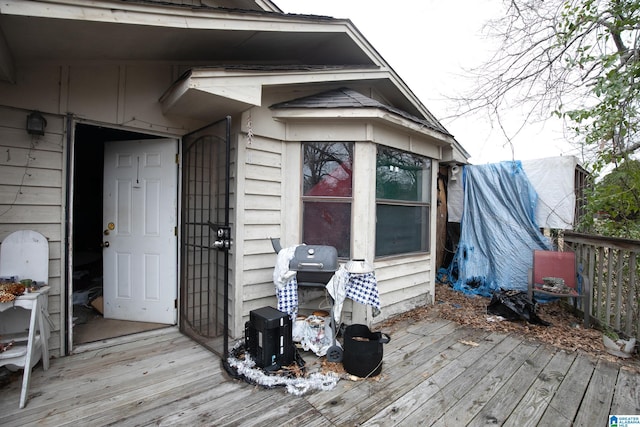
(498, 230)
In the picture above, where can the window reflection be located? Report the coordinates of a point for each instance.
(326, 194)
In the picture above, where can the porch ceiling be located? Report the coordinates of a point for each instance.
(39, 38)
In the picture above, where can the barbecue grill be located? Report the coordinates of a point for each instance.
(315, 265)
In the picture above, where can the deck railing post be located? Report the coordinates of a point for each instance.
(611, 267)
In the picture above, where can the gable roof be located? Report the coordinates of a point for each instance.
(349, 98)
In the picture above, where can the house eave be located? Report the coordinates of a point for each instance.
(364, 114)
(152, 14)
(213, 92)
(77, 30)
(98, 31)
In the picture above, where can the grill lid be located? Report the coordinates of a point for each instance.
(314, 258)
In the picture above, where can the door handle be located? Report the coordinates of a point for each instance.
(105, 244)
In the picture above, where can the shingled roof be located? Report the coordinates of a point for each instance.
(349, 98)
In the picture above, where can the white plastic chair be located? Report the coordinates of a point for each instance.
(25, 254)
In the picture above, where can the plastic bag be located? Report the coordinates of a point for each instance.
(514, 305)
(314, 334)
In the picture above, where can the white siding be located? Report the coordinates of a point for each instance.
(265, 184)
(31, 194)
(258, 196)
(33, 174)
(269, 196)
(404, 283)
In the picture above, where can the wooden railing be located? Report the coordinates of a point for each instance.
(613, 269)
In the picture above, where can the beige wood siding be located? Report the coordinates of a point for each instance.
(265, 183)
(404, 283)
(269, 195)
(258, 207)
(31, 194)
(33, 176)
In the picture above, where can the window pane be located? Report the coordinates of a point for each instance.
(401, 229)
(327, 169)
(327, 223)
(402, 176)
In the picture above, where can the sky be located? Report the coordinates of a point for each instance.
(431, 45)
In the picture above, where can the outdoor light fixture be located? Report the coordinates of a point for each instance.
(455, 170)
(36, 123)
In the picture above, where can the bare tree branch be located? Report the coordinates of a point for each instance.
(578, 58)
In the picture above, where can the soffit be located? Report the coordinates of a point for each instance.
(93, 31)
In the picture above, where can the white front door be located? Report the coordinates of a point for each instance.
(139, 236)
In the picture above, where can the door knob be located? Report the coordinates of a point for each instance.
(105, 244)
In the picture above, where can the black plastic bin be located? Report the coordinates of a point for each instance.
(268, 338)
(363, 351)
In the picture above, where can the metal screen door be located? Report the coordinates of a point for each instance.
(205, 237)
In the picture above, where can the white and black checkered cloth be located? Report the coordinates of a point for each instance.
(288, 298)
(363, 288)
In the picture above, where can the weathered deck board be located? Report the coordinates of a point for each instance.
(534, 403)
(417, 363)
(565, 403)
(477, 395)
(626, 397)
(499, 408)
(596, 403)
(409, 407)
(127, 383)
(434, 373)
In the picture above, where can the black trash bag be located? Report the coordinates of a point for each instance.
(515, 305)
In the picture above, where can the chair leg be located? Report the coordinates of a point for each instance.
(586, 302)
(43, 326)
(26, 379)
(32, 346)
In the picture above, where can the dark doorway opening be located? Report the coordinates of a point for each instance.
(88, 166)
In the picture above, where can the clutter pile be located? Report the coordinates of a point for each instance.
(619, 347)
(274, 338)
(293, 377)
(555, 285)
(314, 333)
(5, 346)
(10, 288)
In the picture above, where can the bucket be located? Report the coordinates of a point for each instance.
(363, 351)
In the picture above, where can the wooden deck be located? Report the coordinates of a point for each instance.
(435, 373)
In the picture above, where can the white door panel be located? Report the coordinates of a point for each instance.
(140, 216)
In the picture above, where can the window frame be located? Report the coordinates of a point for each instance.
(347, 200)
(421, 204)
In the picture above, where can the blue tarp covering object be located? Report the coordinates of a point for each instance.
(498, 230)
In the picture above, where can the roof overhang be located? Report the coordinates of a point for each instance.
(207, 93)
(78, 30)
(364, 114)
